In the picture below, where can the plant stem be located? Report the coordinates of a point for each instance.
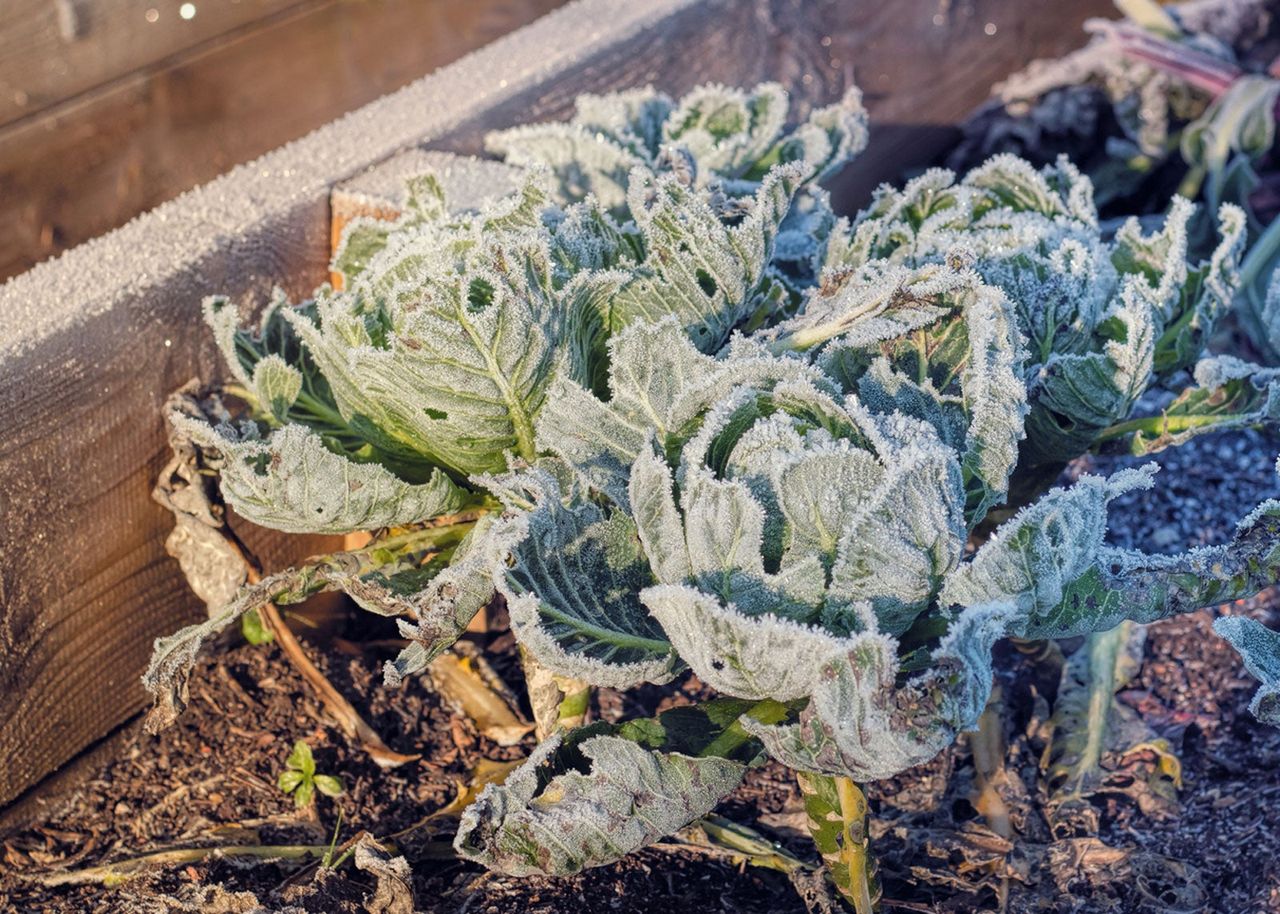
(853, 809)
(558, 702)
(1163, 425)
(837, 811)
(767, 711)
(342, 711)
(112, 874)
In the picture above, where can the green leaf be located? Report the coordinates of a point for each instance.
(303, 796)
(1076, 397)
(300, 759)
(752, 657)
(291, 481)
(1229, 393)
(362, 239)
(587, 800)
(1259, 646)
(277, 385)
(255, 631)
(1132, 585)
(573, 585)
(1034, 558)
(935, 343)
(289, 779)
(328, 785)
(441, 351)
(1091, 727)
(728, 131)
(594, 153)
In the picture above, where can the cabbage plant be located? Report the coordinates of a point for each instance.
(805, 556)
(680, 418)
(1104, 320)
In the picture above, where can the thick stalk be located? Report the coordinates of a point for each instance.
(853, 809)
(558, 702)
(837, 810)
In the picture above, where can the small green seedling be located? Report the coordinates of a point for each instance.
(300, 779)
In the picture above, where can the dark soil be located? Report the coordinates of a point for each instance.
(211, 780)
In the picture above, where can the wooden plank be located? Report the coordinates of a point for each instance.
(85, 585)
(52, 50)
(84, 168)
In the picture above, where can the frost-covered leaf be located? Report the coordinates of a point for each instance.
(401, 575)
(174, 656)
(1077, 396)
(1033, 559)
(709, 272)
(1188, 299)
(275, 343)
(587, 800)
(445, 364)
(277, 385)
(714, 134)
(594, 153)
(1104, 319)
(906, 531)
(1259, 646)
(1124, 584)
(861, 724)
(750, 489)
(573, 589)
(935, 343)
(1229, 393)
(728, 132)
(433, 613)
(747, 656)
(658, 383)
(291, 481)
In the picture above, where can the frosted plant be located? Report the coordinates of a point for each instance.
(698, 425)
(1104, 321)
(722, 139)
(741, 516)
(1173, 95)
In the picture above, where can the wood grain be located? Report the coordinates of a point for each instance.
(52, 50)
(85, 584)
(80, 169)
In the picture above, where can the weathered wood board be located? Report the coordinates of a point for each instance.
(176, 115)
(97, 338)
(52, 50)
